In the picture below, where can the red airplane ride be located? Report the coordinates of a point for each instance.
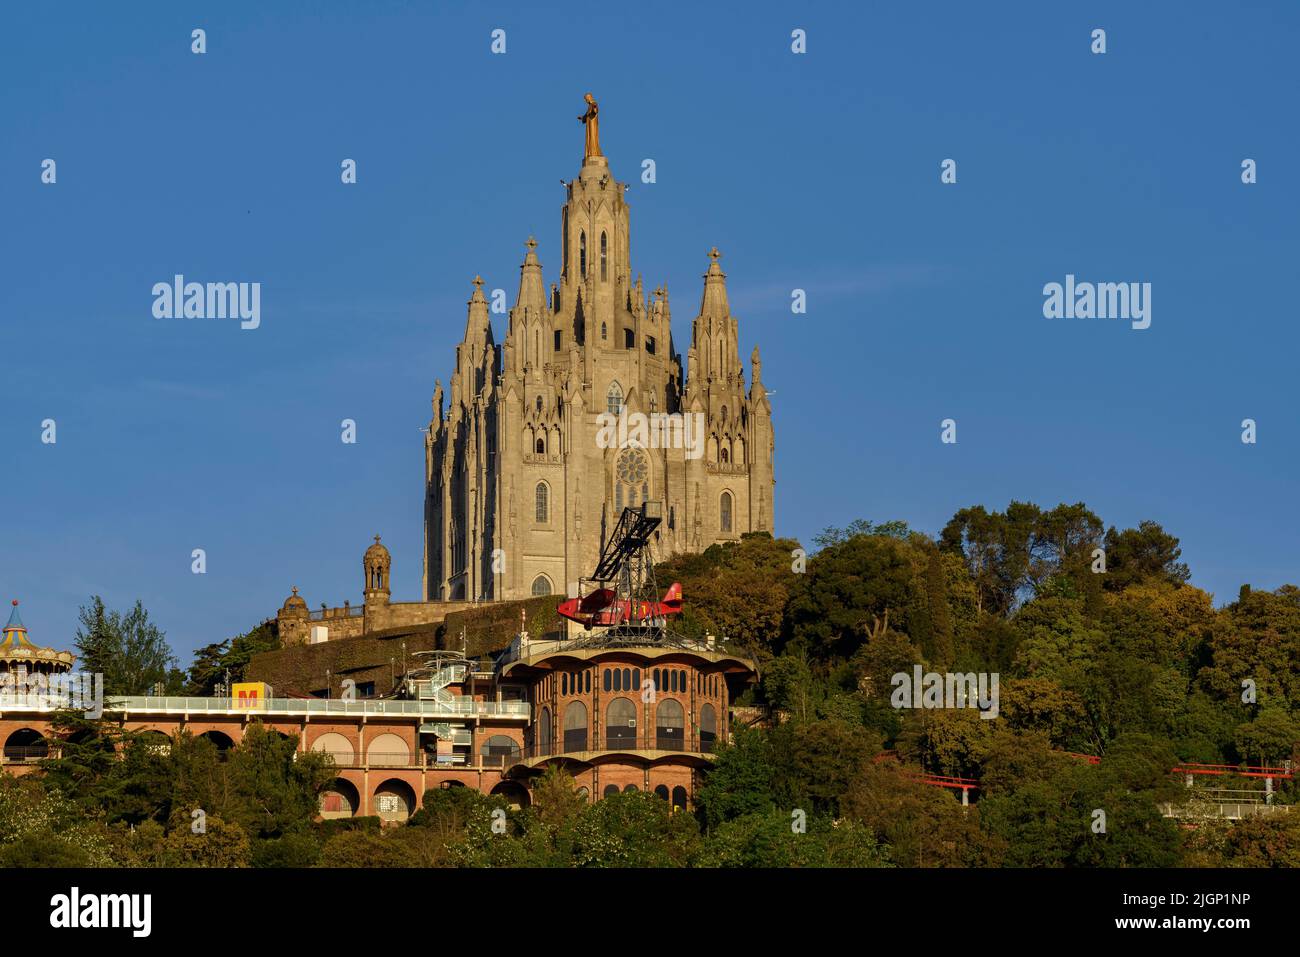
(600, 610)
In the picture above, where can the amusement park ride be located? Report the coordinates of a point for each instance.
(621, 596)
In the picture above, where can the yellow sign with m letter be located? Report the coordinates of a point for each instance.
(250, 694)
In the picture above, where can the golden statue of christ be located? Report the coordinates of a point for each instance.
(592, 146)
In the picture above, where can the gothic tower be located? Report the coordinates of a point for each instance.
(522, 485)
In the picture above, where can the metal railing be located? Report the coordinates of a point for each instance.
(29, 753)
(617, 742)
(325, 614)
(148, 704)
(376, 760)
(537, 647)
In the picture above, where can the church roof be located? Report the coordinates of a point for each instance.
(294, 602)
(376, 551)
(18, 649)
(15, 631)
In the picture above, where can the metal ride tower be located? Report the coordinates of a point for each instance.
(626, 567)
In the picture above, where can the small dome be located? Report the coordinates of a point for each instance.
(377, 553)
(294, 602)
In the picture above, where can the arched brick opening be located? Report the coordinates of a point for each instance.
(394, 801)
(219, 739)
(497, 751)
(156, 742)
(26, 744)
(514, 792)
(336, 746)
(388, 750)
(340, 799)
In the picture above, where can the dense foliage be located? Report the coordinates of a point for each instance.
(1101, 646)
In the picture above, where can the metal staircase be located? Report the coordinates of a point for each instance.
(429, 682)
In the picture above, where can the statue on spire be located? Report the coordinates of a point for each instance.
(591, 121)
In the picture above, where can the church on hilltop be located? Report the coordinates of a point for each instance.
(586, 408)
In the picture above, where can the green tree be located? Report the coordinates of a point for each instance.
(357, 849)
(847, 589)
(1269, 739)
(129, 650)
(788, 685)
(42, 828)
(556, 799)
(771, 840)
(634, 829)
(920, 825)
(735, 590)
(860, 526)
(1143, 554)
(277, 787)
(741, 780)
(1253, 842)
(218, 844)
(228, 660)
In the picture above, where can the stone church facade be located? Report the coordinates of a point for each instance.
(522, 485)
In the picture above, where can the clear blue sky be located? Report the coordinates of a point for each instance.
(818, 171)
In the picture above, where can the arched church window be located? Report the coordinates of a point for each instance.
(614, 398)
(708, 727)
(544, 731)
(604, 331)
(582, 254)
(620, 723)
(724, 415)
(539, 403)
(541, 446)
(604, 257)
(725, 513)
(725, 455)
(541, 585)
(575, 721)
(543, 505)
